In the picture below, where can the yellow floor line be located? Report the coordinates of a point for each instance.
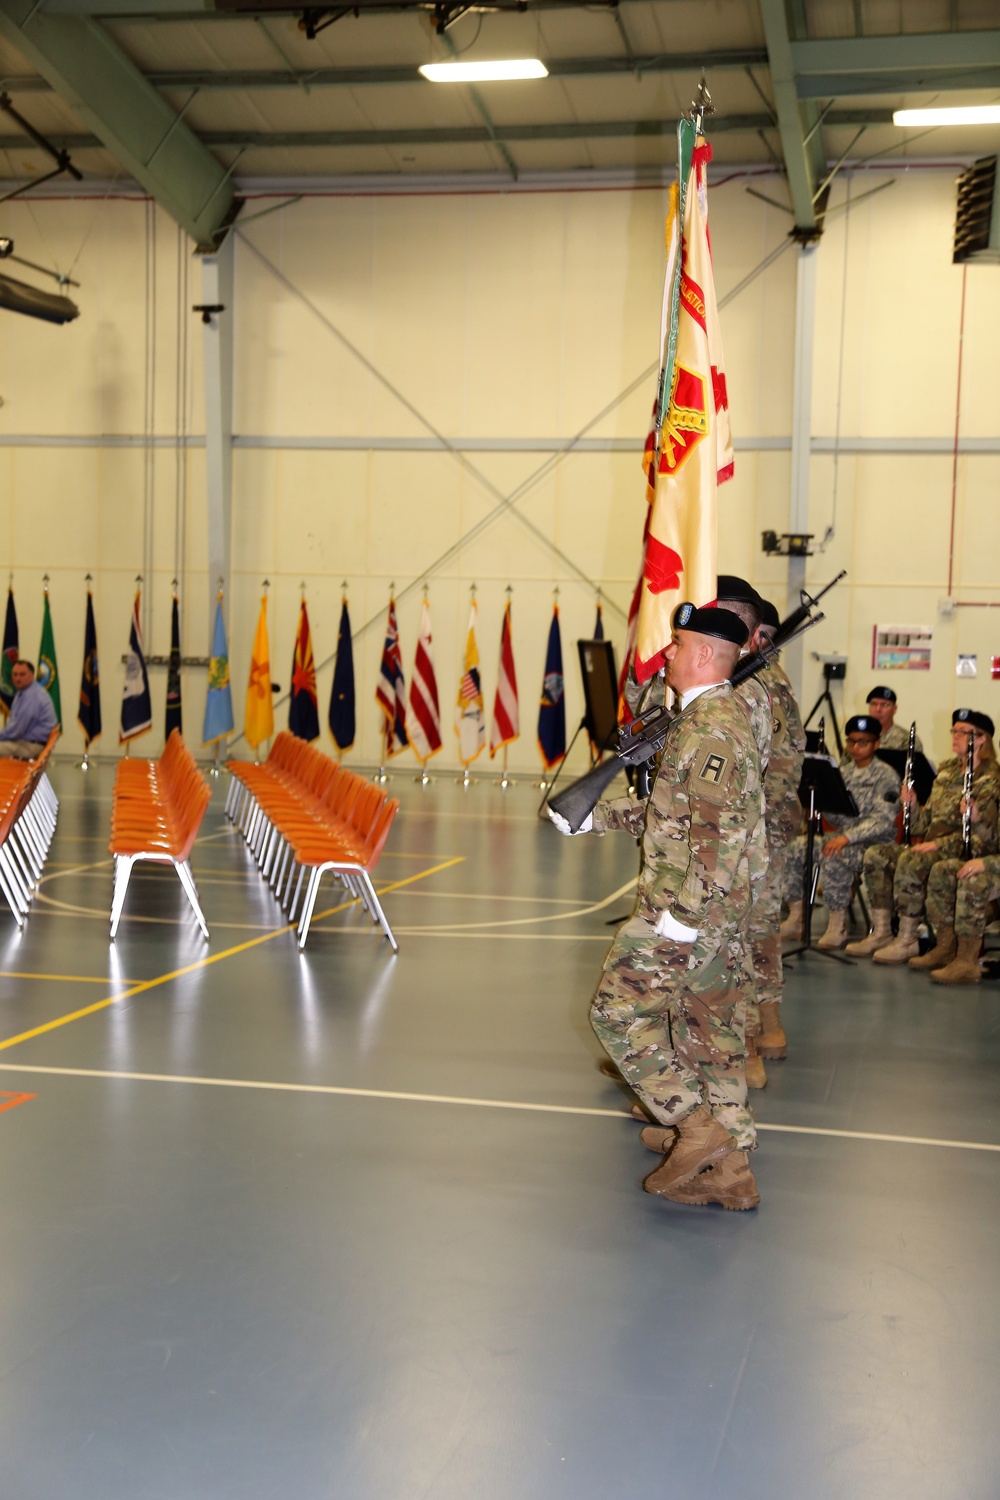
(203, 963)
(104, 979)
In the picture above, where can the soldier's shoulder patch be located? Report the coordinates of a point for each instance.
(779, 720)
(712, 769)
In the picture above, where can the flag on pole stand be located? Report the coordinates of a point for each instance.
(303, 707)
(10, 654)
(506, 717)
(174, 716)
(470, 715)
(552, 710)
(425, 711)
(260, 705)
(137, 707)
(219, 721)
(390, 694)
(689, 449)
(47, 672)
(89, 714)
(341, 713)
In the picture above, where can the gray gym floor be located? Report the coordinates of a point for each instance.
(353, 1225)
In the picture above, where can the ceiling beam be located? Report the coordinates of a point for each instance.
(844, 85)
(126, 114)
(925, 51)
(263, 140)
(798, 124)
(318, 78)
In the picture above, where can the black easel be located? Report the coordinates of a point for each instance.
(821, 790)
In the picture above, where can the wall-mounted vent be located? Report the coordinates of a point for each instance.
(977, 216)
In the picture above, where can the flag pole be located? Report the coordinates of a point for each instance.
(214, 769)
(505, 781)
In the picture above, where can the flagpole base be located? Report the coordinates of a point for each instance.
(85, 763)
(464, 781)
(504, 782)
(424, 779)
(381, 776)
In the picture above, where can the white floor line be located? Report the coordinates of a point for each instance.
(518, 1104)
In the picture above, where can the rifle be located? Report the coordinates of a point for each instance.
(908, 783)
(640, 742)
(970, 765)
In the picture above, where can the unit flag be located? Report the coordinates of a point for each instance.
(425, 712)
(390, 694)
(689, 449)
(174, 715)
(260, 705)
(470, 716)
(89, 714)
(506, 726)
(10, 652)
(552, 710)
(219, 721)
(341, 714)
(47, 670)
(137, 708)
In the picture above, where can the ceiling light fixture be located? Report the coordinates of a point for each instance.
(967, 114)
(500, 71)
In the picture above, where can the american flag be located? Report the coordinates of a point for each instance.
(506, 725)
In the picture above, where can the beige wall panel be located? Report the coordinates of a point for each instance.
(981, 353)
(977, 529)
(323, 501)
(257, 479)
(901, 520)
(54, 497)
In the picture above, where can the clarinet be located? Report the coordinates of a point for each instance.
(970, 758)
(908, 784)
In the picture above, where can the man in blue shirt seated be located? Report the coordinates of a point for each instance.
(32, 717)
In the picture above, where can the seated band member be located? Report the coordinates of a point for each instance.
(958, 908)
(897, 874)
(875, 788)
(882, 706)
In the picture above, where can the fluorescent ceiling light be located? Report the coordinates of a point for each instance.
(485, 72)
(969, 114)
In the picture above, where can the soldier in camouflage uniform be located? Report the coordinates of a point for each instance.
(897, 873)
(782, 816)
(882, 706)
(875, 789)
(958, 907)
(670, 1006)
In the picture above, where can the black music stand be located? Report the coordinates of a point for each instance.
(821, 790)
(923, 772)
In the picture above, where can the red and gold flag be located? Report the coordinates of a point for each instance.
(689, 450)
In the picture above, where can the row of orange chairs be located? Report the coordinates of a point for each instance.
(303, 815)
(28, 811)
(156, 812)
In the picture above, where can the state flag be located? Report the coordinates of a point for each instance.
(219, 721)
(47, 672)
(390, 694)
(341, 714)
(689, 450)
(174, 717)
(260, 704)
(506, 718)
(552, 710)
(89, 714)
(137, 707)
(425, 713)
(10, 650)
(303, 707)
(470, 715)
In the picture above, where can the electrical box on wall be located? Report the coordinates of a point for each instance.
(977, 214)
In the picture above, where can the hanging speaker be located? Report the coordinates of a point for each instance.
(977, 214)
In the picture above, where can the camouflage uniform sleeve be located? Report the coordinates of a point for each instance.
(620, 815)
(985, 794)
(877, 824)
(711, 789)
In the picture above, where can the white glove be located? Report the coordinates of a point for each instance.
(667, 926)
(563, 825)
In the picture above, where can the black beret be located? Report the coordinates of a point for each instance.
(769, 615)
(978, 721)
(721, 623)
(736, 590)
(863, 724)
(882, 692)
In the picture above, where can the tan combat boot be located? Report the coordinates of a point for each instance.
(835, 935)
(964, 967)
(792, 926)
(729, 1182)
(700, 1140)
(906, 945)
(755, 1070)
(772, 1041)
(942, 953)
(879, 937)
(658, 1138)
